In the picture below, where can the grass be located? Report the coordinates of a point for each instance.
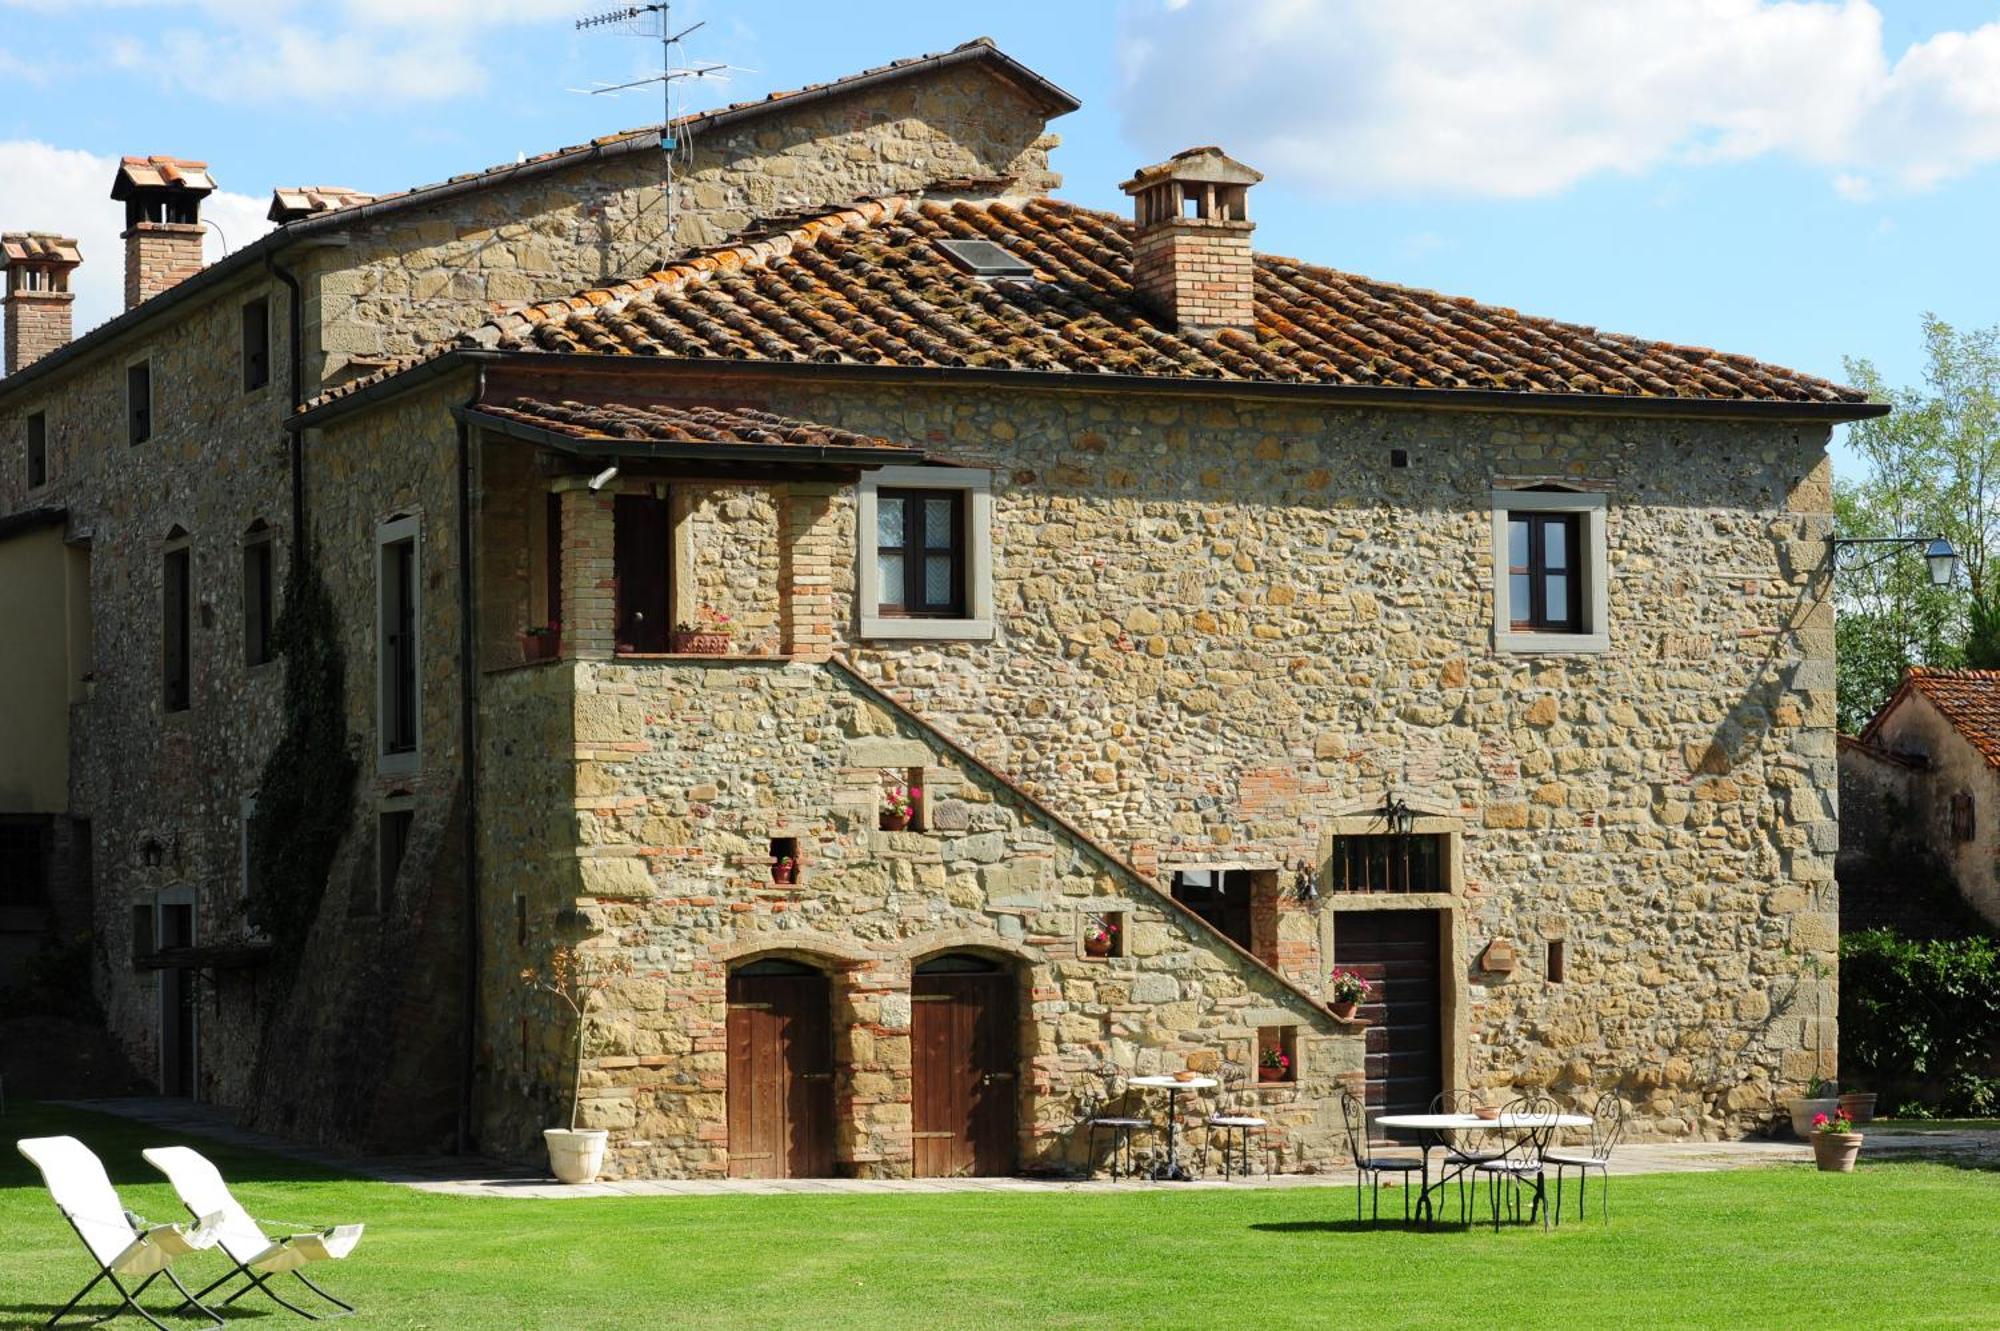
(1892, 1245)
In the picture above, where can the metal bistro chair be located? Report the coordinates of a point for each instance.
(1607, 1127)
(1521, 1161)
(1464, 1152)
(1370, 1168)
(1236, 1121)
(1099, 1116)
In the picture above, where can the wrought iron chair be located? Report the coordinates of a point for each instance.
(1100, 1116)
(1236, 1120)
(1607, 1127)
(1520, 1161)
(1463, 1152)
(1370, 1168)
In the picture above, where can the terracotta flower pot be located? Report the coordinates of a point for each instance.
(1345, 1011)
(1270, 1074)
(1097, 947)
(894, 822)
(1834, 1152)
(1803, 1110)
(540, 647)
(784, 873)
(1860, 1106)
(700, 644)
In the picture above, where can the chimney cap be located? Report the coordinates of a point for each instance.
(1202, 166)
(40, 249)
(289, 205)
(176, 174)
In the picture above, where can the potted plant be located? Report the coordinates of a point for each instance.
(576, 1154)
(785, 869)
(1819, 1100)
(1835, 1142)
(541, 642)
(1859, 1106)
(1345, 992)
(899, 805)
(709, 635)
(1100, 940)
(1274, 1064)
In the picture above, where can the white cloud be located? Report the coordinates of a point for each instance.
(1517, 98)
(72, 197)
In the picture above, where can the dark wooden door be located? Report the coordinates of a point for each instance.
(964, 1038)
(1397, 951)
(641, 541)
(780, 1073)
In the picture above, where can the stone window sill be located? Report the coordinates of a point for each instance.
(891, 628)
(1552, 644)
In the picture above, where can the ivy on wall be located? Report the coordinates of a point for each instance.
(305, 797)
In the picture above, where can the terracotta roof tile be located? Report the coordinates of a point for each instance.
(670, 423)
(1969, 699)
(41, 248)
(158, 172)
(289, 205)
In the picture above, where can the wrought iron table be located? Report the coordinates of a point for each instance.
(1171, 1170)
(1434, 1131)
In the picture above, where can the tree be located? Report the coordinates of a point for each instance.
(1933, 468)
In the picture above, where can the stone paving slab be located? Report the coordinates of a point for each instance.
(476, 1176)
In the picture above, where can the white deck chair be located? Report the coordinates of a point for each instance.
(258, 1256)
(122, 1244)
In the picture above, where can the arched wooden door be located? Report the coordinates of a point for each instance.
(964, 1052)
(780, 1072)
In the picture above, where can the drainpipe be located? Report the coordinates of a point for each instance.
(468, 670)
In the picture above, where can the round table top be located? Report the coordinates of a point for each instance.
(1173, 1083)
(1474, 1123)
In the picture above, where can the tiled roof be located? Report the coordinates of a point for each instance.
(1969, 699)
(158, 172)
(665, 423)
(288, 205)
(866, 285)
(42, 248)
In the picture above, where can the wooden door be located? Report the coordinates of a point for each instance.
(642, 543)
(1397, 951)
(964, 1040)
(780, 1071)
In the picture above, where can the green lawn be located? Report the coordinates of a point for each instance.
(1893, 1245)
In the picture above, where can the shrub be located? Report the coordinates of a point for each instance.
(1921, 1020)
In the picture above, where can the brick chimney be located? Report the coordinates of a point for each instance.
(1191, 248)
(38, 295)
(163, 230)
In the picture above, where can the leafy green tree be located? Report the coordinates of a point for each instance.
(1933, 468)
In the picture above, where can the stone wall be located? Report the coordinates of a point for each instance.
(683, 774)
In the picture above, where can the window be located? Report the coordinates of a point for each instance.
(641, 544)
(1557, 967)
(24, 862)
(256, 344)
(1220, 896)
(1387, 862)
(257, 595)
(176, 661)
(926, 554)
(1962, 819)
(396, 643)
(1550, 590)
(1277, 1053)
(139, 402)
(920, 552)
(38, 450)
(392, 839)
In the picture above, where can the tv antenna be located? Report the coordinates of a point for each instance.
(655, 21)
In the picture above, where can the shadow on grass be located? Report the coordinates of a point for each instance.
(1358, 1226)
(118, 1142)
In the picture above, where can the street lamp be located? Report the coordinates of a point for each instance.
(1938, 554)
(1943, 561)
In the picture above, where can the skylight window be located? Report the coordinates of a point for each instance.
(983, 258)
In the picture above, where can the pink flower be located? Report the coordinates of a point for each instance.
(1820, 1120)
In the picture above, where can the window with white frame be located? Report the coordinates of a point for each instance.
(398, 589)
(1550, 571)
(926, 549)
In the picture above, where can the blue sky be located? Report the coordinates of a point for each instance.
(1792, 181)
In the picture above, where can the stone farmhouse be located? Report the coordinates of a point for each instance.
(1258, 616)
(1922, 782)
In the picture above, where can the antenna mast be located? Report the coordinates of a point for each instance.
(628, 18)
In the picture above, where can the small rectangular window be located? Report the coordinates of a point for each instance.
(920, 552)
(392, 840)
(256, 344)
(24, 861)
(1556, 961)
(641, 541)
(1277, 1053)
(1963, 821)
(1386, 862)
(139, 402)
(176, 662)
(397, 645)
(38, 450)
(1544, 572)
(257, 599)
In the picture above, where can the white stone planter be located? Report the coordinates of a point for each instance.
(1803, 1110)
(576, 1154)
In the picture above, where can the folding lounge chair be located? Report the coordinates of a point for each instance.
(122, 1244)
(258, 1256)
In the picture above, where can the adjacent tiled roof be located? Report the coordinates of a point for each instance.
(866, 285)
(288, 205)
(42, 248)
(158, 172)
(1968, 699)
(1869, 748)
(666, 423)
